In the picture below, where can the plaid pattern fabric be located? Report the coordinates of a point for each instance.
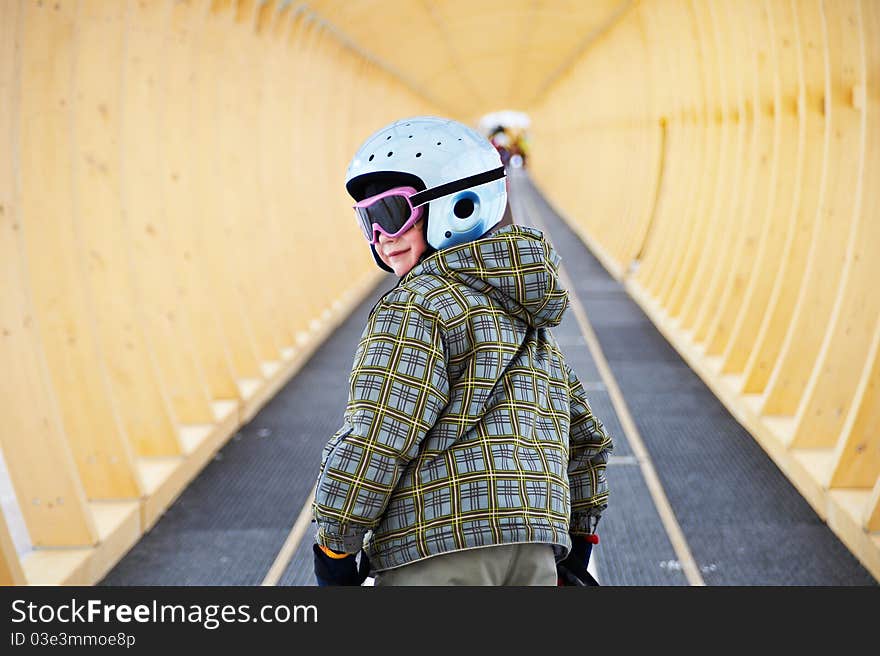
(464, 425)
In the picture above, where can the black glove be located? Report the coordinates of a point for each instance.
(340, 571)
(573, 570)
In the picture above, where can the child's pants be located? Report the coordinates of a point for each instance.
(508, 564)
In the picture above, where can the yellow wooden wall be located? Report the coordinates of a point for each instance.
(722, 158)
(174, 241)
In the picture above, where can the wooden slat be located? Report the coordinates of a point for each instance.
(11, 572)
(645, 146)
(318, 156)
(349, 263)
(315, 157)
(37, 319)
(858, 451)
(52, 212)
(673, 212)
(93, 418)
(694, 290)
(155, 257)
(177, 124)
(780, 98)
(675, 286)
(220, 285)
(278, 133)
(700, 160)
(302, 32)
(810, 44)
(753, 223)
(814, 312)
(10, 569)
(840, 362)
(235, 162)
(735, 190)
(654, 252)
(857, 454)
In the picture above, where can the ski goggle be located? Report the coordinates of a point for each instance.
(391, 213)
(395, 211)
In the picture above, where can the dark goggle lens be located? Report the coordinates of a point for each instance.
(391, 213)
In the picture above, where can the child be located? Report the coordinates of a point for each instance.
(468, 452)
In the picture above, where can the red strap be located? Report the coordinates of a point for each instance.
(592, 538)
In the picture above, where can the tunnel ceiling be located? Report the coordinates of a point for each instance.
(469, 57)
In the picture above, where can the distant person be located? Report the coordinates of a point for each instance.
(468, 453)
(519, 150)
(500, 139)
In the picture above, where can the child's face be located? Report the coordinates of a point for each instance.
(402, 253)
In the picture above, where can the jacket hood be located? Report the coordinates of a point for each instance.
(516, 266)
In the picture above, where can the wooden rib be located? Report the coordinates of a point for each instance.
(38, 458)
(779, 95)
(93, 418)
(812, 317)
(752, 217)
(153, 253)
(178, 123)
(221, 285)
(841, 358)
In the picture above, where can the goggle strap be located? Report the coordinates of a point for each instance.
(434, 193)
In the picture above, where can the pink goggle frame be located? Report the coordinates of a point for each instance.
(392, 217)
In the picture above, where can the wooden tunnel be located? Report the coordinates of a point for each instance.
(175, 239)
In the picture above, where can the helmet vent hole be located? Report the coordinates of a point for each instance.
(410, 136)
(448, 234)
(371, 157)
(388, 137)
(418, 154)
(438, 143)
(464, 207)
(390, 153)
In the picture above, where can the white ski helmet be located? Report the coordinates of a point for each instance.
(458, 172)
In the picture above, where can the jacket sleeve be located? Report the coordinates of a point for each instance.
(397, 389)
(589, 448)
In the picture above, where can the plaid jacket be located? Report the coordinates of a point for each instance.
(464, 425)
